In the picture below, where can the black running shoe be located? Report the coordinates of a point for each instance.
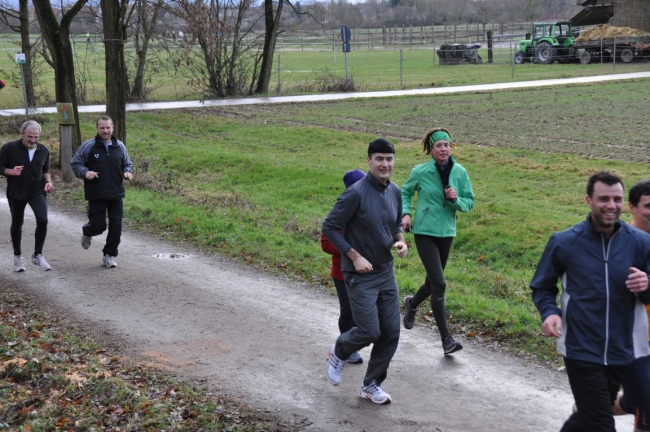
(449, 345)
(409, 313)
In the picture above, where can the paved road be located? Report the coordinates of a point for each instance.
(342, 96)
(265, 339)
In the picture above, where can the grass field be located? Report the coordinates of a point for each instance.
(255, 183)
(312, 70)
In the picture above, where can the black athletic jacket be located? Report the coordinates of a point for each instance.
(30, 182)
(111, 165)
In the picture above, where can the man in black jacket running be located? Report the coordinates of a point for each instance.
(26, 164)
(103, 163)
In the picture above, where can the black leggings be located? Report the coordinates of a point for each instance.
(346, 322)
(17, 208)
(434, 252)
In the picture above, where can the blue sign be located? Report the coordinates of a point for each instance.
(346, 34)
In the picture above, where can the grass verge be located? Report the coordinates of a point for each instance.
(53, 378)
(255, 183)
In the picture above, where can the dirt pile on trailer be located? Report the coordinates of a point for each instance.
(604, 31)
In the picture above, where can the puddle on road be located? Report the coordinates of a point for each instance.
(171, 256)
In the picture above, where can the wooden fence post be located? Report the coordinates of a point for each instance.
(489, 43)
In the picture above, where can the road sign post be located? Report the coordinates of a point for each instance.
(21, 60)
(346, 35)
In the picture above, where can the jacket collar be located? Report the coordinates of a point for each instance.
(376, 183)
(617, 225)
(99, 140)
(452, 162)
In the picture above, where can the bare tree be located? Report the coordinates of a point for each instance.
(530, 9)
(225, 63)
(147, 16)
(272, 22)
(272, 16)
(485, 11)
(18, 21)
(114, 20)
(429, 9)
(57, 38)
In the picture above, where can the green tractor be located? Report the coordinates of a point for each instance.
(549, 42)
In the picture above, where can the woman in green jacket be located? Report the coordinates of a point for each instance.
(443, 187)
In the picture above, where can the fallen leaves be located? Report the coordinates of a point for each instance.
(54, 382)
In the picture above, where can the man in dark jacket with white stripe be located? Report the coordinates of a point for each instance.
(601, 327)
(103, 163)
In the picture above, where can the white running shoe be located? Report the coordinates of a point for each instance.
(375, 393)
(85, 241)
(40, 261)
(19, 265)
(109, 261)
(334, 368)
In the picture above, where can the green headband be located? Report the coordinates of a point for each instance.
(439, 135)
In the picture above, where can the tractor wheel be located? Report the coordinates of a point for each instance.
(545, 53)
(585, 57)
(520, 58)
(627, 55)
(607, 56)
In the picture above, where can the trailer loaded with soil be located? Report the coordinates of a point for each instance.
(601, 43)
(551, 42)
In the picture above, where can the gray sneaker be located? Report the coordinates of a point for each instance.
(450, 345)
(109, 261)
(355, 358)
(334, 367)
(85, 241)
(19, 265)
(40, 261)
(375, 393)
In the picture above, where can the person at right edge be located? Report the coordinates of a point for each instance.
(636, 399)
(104, 164)
(600, 326)
(443, 187)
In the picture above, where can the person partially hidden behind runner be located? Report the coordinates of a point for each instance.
(104, 164)
(443, 188)
(601, 328)
(26, 164)
(346, 321)
(636, 385)
(365, 225)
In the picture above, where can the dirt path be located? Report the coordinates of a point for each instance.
(265, 339)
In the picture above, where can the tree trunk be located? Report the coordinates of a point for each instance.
(27, 50)
(272, 25)
(148, 28)
(57, 38)
(113, 13)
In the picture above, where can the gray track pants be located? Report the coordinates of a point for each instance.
(374, 300)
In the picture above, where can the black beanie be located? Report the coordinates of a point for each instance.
(380, 145)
